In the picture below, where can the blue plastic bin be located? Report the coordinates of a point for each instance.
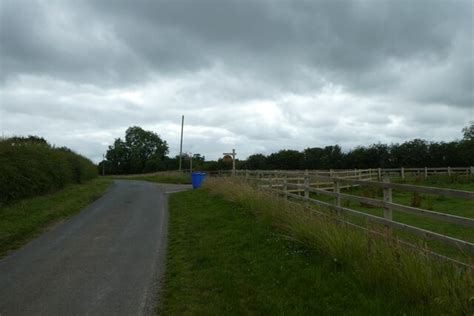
(198, 178)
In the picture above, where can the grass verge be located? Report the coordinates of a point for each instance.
(160, 177)
(26, 219)
(277, 259)
(448, 205)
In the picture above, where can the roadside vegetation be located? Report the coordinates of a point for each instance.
(173, 177)
(29, 166)
(241, 250)
(41, 184)
(448, 205)
(23, 220)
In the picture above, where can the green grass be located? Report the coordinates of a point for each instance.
(224, 259)
(26, 219)
(160, 177)
(448, 205)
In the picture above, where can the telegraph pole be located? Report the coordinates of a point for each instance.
(181, 144)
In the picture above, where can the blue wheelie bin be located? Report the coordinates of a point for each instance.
(197, 179)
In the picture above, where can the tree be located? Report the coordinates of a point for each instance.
(285, 159)
(142, 151)
(312, 158)
(256, 162)
(468, 131)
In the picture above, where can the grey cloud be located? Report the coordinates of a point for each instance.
(333, 71)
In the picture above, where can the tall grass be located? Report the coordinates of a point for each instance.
(379, 264)
(30, 168)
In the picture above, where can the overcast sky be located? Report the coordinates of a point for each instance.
(257, 76)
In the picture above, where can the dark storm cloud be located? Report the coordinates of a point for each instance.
(351, 43)
(316, 71)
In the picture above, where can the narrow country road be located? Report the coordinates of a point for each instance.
(104, 261)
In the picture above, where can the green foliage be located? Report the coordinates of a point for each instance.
(23, 220)
(30, 166)
(468, 131)
(425, 285)
(142, 151)
(413, 153)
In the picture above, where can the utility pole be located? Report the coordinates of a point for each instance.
(181, 144)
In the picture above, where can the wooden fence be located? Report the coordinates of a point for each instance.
(297, 186)
(376, 173)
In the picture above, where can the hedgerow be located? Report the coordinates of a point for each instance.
(30, 166)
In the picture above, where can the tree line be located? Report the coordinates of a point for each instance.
(144, 151)
(412, 153)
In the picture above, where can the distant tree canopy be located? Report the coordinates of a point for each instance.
(413, 153)
(468, 132)
(142, 151)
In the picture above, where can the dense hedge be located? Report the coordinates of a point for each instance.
(30, 166)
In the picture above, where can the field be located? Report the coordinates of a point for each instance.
(455, 206)
(172, 177)
(23, 220)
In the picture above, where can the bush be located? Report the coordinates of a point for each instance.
(30, 166)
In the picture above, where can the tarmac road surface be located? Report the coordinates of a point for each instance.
(107, 260)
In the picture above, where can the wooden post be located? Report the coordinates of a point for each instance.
(331, 173)
(426, 172)
(387, 197)
(402, 173)
(472, 170)
(270, 181)
(379, 174)
(306, 187)
(246, 174)
(285, 187)
(337, 190)
(449, 171)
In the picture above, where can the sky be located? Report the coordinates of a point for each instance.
(257, 76)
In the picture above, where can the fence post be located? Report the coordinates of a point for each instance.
(331, 173)
(449, 171)
(285, 186)
(247, 174)
(472, 170)
(402, 173)
(387, 198)
(337, 190)
(379, 174)
(426, 172)
(306, 187)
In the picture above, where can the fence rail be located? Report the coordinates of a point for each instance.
(298, 185)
